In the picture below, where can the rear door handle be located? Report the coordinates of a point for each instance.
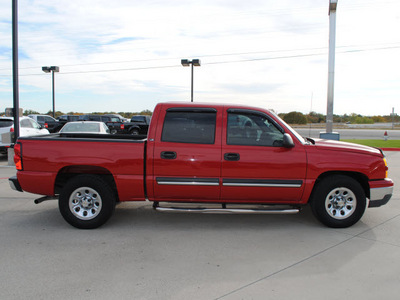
(232, 156)
(168, 155)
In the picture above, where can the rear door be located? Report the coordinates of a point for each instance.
(187, 155)
(256, 168)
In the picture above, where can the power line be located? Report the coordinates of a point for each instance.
(395, 46)
(216, 63)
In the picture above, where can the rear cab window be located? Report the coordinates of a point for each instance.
(6, 123)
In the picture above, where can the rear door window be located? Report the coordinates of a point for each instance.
(195, 127)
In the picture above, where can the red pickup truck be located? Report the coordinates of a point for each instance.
(204, 158)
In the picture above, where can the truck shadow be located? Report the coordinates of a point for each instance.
(139, 216)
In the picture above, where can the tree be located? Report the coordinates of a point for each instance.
(30, 112)
(295, 117)
(314, 117)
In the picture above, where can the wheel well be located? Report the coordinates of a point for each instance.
(361, 178)
(66, 173)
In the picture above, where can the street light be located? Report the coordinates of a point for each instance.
(331, 73)
(187, 63)
(52, 69)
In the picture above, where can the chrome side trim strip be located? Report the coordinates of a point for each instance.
(229, 182)
(187, 181)
(263, 185)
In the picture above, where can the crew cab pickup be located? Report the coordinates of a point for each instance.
(139, 125)
(204, 158)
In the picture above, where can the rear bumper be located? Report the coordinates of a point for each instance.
(380, 192)
(14, 184)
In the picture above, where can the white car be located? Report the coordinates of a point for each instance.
(85, 127)
(27, 127)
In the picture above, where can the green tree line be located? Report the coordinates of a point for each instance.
(127, 115)
(295, 117)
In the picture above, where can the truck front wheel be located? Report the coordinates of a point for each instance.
(338, 201)
(86, 202)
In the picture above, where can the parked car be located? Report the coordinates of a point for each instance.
(51, 124)
(64, 119)
(27, 127)
(139, 125)
(114, 123)
(85, 127)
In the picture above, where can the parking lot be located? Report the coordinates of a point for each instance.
(143, 254)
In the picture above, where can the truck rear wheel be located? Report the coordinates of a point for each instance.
(134, 132)
(86, 202)
(338, 201)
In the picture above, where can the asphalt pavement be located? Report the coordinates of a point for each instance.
(144, 254)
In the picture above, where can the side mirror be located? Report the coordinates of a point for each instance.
(287, 141)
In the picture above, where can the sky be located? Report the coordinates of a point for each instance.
(125, 55)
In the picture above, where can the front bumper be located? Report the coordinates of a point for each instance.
(380, 192)
(14, 184)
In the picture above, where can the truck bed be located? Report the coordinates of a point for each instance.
(120, 158)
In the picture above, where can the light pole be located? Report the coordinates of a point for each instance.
(331, 73)
(193, 62)
(15, 68)
(52, 69)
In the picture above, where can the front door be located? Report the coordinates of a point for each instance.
(256, 168)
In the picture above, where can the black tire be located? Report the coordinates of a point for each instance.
(86, 201)
(338, 201)
(134, 132)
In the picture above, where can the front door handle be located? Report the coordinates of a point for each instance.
(232, 156)
(168, 155)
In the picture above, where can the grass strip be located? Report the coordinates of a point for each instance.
(376, 143)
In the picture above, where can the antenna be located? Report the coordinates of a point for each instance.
(309, 132)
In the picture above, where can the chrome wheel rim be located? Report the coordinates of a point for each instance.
(340, 203)
(85, 203)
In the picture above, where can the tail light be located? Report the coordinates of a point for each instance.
(12, 129)
(18, 156)
(122, 126)
(46, 125)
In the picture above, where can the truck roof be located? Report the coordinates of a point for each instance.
(210, 104)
